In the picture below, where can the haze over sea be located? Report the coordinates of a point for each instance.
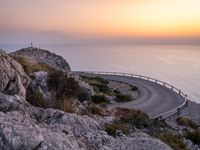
(178, 65)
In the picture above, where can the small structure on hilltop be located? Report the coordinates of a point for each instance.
(32, 47)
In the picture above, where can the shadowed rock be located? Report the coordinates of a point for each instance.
(12, 76)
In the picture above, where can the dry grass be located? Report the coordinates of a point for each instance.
(31, 66)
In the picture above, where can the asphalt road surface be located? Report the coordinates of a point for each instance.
(154, 99)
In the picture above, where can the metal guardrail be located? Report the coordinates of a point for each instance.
(173, 88)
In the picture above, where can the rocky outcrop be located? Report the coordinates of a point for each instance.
(39, 84)
(23, 126)
(44, 56)
(13, 79)
(139, 141)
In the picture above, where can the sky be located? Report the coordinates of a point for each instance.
(74, 21)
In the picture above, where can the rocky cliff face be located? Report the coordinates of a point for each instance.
(44, 56)
(23, 126)
(13, 80)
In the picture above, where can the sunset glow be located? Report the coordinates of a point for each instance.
(113, 18)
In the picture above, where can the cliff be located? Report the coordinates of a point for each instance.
(13, 79)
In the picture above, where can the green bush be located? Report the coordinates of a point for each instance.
(184, 121)
(123, 97)
(136, 118)
(194, 136)
(102, 80)
(99, 84)
(128, 119)
(100, 99)
(98, 79)
(64, 86)
(84, 96)
(174, 141)
(66, 89)
(102, 88)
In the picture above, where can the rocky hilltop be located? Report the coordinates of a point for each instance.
(44, 56)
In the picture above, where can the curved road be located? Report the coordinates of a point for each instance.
(154, 99)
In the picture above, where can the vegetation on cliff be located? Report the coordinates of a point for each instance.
(31, 66)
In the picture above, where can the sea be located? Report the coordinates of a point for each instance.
(178, 65)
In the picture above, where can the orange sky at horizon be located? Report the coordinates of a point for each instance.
(114, 18)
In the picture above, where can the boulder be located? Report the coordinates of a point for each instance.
(13, 79)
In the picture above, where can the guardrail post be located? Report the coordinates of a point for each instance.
(164, 84)
(172, 88)
(179, 92)
(186, 104)
(148, 78)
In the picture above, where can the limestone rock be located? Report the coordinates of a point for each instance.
(13, 79)
(23, 126)
(44, 56)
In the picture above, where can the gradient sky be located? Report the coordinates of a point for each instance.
(65, 21)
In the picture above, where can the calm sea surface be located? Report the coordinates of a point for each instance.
(177, 65)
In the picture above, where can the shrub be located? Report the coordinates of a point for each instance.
(136, 118)
(98, 79)
(134, 88)
(92, 109)
(99, 99)
(30, 67)
(84, 96)
(174, 141)
(99, 84)
(128, 119)
(116, 91)
(114, 126)
(194, 136)
(35, 98)
(102, 88)
(184, 121)
(64, 86)
(66, 89)
(68, 106)
(123, 97)
(102, 80)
